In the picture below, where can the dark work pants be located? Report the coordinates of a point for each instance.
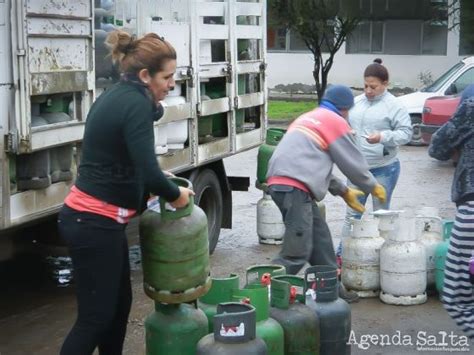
(99, 251)
(307, 237)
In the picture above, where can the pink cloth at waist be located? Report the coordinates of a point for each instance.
(284, 180)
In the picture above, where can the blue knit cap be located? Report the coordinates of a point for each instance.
(340, 96)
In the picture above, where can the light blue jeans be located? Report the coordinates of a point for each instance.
(387, 176)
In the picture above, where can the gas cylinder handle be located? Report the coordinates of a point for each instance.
(234, 323)
(447, 226)
(280, 294)
(431, 219)
(291, 279)
(285, 290)
(319, 276)
(179, 212)
(297, 282)
(254, 273)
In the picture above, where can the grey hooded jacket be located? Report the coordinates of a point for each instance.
(385, 115)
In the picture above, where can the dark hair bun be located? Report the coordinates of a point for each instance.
(378, 60)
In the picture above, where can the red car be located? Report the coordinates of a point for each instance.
(436, 112)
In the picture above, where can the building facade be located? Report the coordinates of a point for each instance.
(412, 45)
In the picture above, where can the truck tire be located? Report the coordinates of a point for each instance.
(209, 197)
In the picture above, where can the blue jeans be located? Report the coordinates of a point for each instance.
(387, 176)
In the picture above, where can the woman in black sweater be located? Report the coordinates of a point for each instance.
(118, 169)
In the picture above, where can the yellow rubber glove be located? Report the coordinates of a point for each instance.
(380, 193)
(350, 196)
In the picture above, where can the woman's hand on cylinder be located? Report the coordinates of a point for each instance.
(183, 198)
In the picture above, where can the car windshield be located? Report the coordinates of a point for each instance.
(442, 79)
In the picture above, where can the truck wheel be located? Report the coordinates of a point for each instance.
(416, 137)
(209, 197)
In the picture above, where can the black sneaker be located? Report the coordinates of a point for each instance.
(348, 296)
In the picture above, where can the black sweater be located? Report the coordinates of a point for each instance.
(118, 163)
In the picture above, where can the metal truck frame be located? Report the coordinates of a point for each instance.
(48, 48)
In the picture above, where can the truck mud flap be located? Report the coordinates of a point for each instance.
(239, 183)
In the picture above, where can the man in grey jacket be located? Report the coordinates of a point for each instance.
(300, 171)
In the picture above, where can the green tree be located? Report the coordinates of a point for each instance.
(323, 25)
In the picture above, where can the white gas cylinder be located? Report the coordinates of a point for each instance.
(270, 226)
(388, 220)
(429, 228)
(361, 258)
(403, 266)
(177, 131)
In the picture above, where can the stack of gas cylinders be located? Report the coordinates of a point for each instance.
(40, 169)
(176, 271)
(271, 313)
(294, 315)
(396, 257)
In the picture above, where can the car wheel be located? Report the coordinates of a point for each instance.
(416, 138)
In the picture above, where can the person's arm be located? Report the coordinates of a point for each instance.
(449, 138)
(349, 194)
(352, 163)
(140, 141)
(336, 186)
(401, 128)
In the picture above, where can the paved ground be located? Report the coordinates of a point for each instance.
(34, 317)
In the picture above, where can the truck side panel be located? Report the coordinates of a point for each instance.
(6, 96)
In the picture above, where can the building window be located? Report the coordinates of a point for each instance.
(434, 39)
(410, 37)
(276, 38)
(466, 23)
(402, 37)
(366, 38)
(280, 39)
(400, 27)
(296, 42)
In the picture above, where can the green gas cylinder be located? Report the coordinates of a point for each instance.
(217, 90)
(274, 135)
(221, 291)
(440, 256)
(268, 329)
(234, 332)
(322, 296)
(300, 324)
(175, 251)
(174, 329)
(255, 273)
(242, 83)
